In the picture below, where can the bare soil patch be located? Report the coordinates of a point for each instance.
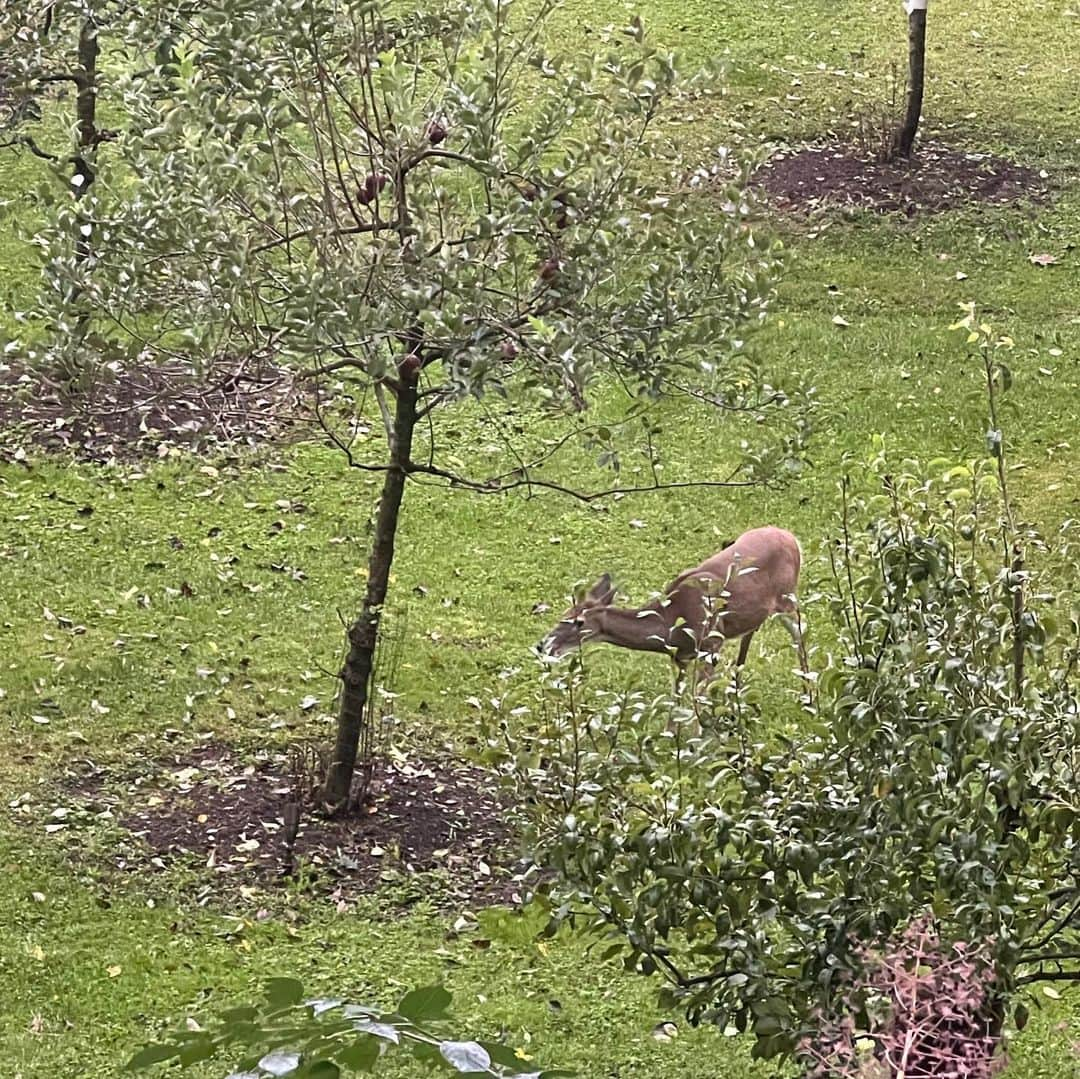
(148, 410)
(937, 178)
(211, 809)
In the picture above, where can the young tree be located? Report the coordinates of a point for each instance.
(48, 45)
(431, 207)
(50, 48)
(904, 140)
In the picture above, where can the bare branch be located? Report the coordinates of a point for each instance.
(1053, 957)
(78, 78)
(684, 981)
(1059, 923)
(368, 226)
(1050, 976)
(334, 365)
(522, 478)
(449, 155)
(28, 142)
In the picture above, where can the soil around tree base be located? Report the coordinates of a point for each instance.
(935, 179)
(216, 812)
(151, 410)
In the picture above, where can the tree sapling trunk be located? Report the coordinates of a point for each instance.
(364, 632)
(905, 136)
(82, 176)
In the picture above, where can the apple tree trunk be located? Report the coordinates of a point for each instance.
(363, 635)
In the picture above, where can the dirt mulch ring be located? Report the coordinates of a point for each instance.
(937, 178)
(151, 410)
(211, 809)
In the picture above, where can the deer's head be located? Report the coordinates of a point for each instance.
(573, 629)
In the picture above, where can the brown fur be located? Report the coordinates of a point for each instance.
(728, 595)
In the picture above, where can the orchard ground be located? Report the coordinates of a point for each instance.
(154, 609)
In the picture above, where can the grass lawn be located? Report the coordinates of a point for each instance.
(98, 638)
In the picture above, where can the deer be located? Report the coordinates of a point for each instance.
(728, 596)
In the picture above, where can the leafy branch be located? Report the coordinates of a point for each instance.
(323, 1038)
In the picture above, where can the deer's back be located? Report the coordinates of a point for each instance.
(750, 579)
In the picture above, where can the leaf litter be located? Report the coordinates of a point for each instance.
(937, 178)
(210, 808)
(152, 410)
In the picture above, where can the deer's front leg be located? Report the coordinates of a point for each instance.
(680, 675)
(744, 648)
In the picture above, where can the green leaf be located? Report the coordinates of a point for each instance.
(465, 1056)
(321, 1069)
(502, 1054)
(280, 1062)
(385, 1031)
(361, 1055)
(238, 1015)
(284, 992)
(200, 1048)
(430, 1002)
(151, 1054)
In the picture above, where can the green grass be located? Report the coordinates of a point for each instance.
(257, 640)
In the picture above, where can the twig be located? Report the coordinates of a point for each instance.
(1050, 976)
(28, 142)
(497, 485)
(378, 225)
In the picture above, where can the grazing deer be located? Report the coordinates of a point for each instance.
(729, 595)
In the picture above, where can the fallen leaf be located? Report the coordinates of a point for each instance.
(665, 1032)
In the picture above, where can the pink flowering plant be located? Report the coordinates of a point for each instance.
(922, 1009)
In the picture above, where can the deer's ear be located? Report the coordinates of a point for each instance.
(603, 592)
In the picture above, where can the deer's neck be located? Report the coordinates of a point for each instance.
(644, 629)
